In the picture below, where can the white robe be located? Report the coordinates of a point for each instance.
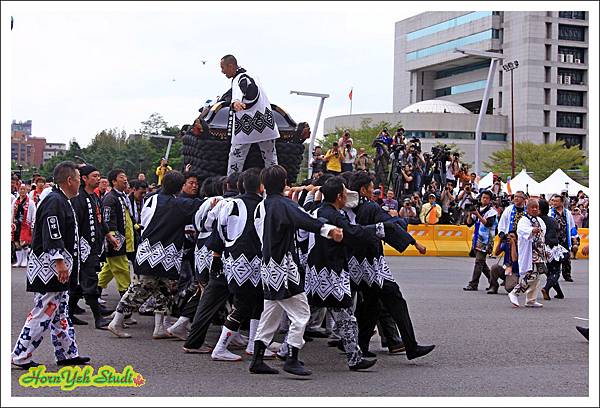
(525, 242)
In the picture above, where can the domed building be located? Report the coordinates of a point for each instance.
(436, 121)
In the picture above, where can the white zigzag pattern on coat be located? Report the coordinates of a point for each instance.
(156, 254)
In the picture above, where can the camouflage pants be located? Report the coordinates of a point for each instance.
(140, 291)
(346, 329)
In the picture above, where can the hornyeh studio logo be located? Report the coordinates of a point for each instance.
(71, 377)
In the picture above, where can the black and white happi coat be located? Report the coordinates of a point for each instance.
(327, 276)
(114, 206)
(92, 228)
(256, 122)
(243, 253)
(202, 255)
(55, 236)
(276, 219)
(367, 263)
(163, 219)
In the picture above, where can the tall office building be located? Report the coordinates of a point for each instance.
(550, 84)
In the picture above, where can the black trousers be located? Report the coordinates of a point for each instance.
(368, 312)
(87, 288)
(213, 299)
(565, 265)
(247, 304)
(387, 328)
(552, 277)
(479, 268)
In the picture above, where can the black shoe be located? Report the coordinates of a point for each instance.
(333, 343)
(102, 323)
(419, 351)
(559, 296)
(470, 289)
(26, 366)
(307, 338)
(74, 361)
(493, 291)
(568, 279)
(258, 366)
(293, 366)
(315, 334)
(146, 313)
(77, 321)
(367, 353)
(363, 365)
(585, 332)
(77, 310)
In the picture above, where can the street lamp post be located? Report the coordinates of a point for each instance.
(495, 59)
(20, 166)
(510, 67)
(314, 132)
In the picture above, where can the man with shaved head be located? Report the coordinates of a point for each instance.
(532, 255)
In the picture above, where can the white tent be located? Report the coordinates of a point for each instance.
(557, 182)
(487, 181)
(523, 182)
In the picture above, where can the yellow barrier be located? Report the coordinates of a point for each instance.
(583, 241)
(422, 233)
(452, 240)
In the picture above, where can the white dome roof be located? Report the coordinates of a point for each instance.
(435, 106)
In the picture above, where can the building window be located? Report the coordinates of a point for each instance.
(571, 33)
(569, 98)
(499, 99)
(569, 120)
(547, 75)
(440, 134)
(495, 34)
(570, 140)
(547, 118)
(570, 76)
(449, 45)
(546, 137)
(461, 70)
(411, 96)
(574, 15)
(571, 54)
(546, 96)
(445, 25)
(453, 90)
(548, 30)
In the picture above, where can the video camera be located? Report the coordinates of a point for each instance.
(440, 153)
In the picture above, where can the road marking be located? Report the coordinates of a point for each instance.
(580, 318)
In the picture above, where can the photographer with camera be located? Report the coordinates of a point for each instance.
(333, 157)
(363, 161)
(447, 200)
(348, 156)
(466, 198)
(408, 213)
(382, 159)
(415, 158)
(399, 137)
(406, 185)
(431, 211)
(453, 169)
(484, 216)
(318, 162)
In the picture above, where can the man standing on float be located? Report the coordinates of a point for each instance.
(252, 120)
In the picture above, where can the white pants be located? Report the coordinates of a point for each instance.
(298, 312)
(238, 153)
(50, 311)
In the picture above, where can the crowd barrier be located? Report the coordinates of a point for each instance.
(453, 240)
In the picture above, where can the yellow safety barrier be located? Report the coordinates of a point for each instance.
(422, 233)
(583, 241)
(452, 240)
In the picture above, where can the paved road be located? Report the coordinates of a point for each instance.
(482, 345)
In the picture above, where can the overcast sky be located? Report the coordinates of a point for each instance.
(78, 69)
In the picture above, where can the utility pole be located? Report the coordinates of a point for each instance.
(511, 66)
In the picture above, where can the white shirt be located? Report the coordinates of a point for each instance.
(349, 156)
(525, 241)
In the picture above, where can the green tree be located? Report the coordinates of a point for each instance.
(154, 125)
(540, 159)
(361, 137)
